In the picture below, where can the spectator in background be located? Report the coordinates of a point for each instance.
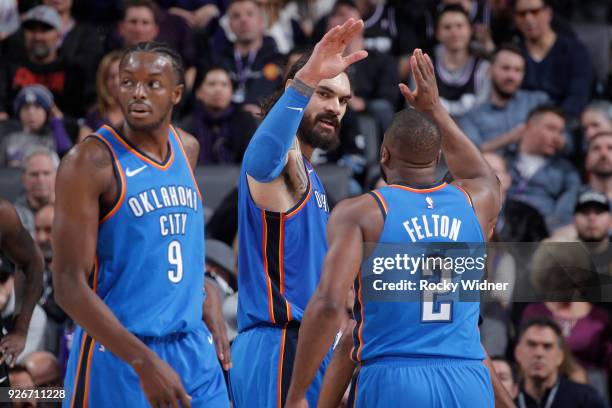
(592, 225)
(143, 21)
(107, 110)
(44, 369)
(41, 124)
(22, 320)
(539, 354)
(55, 315)
(506, 374)
(461, 75)
(374, 79)
(282, 26)
(498, 124)
(79, 42)
(9, 18)
(380, 26)
(540, 177)
(479, 12)
(252, 60)
(43, 65)
(139, 22)
(596, 118)
(197, 13)
(598, 163)
(39, 169)
(586, 329)
(556, 64)
(222, 129)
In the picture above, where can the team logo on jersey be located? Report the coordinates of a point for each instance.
(430, 203)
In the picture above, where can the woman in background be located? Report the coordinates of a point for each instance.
(107, 110)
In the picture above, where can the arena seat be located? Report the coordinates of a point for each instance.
(596, 37)
(10, 183)
(216, 182)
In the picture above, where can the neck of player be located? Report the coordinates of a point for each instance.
(306, 150)
(154, 142)
(536, 388)
(411, 176)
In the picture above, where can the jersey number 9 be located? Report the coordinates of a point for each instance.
(175, 259)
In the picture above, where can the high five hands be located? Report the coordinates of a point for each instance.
(425, 96)
(328, 59)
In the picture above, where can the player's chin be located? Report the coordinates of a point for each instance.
(141, 124)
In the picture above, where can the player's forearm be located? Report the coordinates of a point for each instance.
(33, 272)
(463, 158)
(90, 312)
(266, 154)
(320, 323)
(339, 372)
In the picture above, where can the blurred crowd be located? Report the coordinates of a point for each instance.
(527, 81)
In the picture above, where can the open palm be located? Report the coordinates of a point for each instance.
(327, 59)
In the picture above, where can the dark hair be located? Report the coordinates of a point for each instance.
(513, 370)
(412, 131)
(545, 108)
(200, 77)
(150, 4)
(452, 8)
(512, 4)
(269, 102)
(232, 2)
(542, 321)
(508, 47)
(162, 49)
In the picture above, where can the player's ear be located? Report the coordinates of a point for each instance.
(177, 93)
(384, 154)
(439, 157)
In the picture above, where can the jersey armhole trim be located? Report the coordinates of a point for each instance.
(193, 177)
(467, 195)
(381, 203)
(119, 177)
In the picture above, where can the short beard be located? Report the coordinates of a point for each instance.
(148, 128)
(40, 51)
(602, 174)
(592, 239)
(307, 133)
(503, 94)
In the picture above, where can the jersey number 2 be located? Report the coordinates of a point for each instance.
(175, 258)
(444, 312)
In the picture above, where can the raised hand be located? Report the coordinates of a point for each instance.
(328, 59)
(425, 97)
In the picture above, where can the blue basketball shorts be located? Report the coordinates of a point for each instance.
(424, 383)
(262, 363)
(95, 377)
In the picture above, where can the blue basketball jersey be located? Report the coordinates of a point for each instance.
(418, 327)
(280, 255)
(149, 267)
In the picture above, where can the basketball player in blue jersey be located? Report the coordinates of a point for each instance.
(418, 354)
(282, 215)
(129, 252)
